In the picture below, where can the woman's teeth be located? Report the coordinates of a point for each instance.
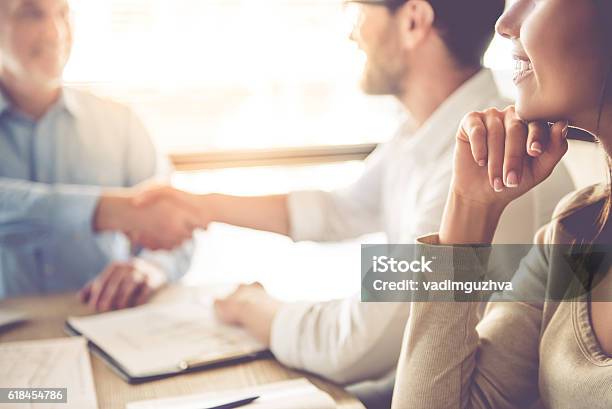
(522, 68)
(522, 65)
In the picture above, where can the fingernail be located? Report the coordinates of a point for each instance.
(512, 179)
(498, 186)
(536, 147)
(482, 163)
(565, 130)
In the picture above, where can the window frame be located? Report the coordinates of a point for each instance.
(304, 155)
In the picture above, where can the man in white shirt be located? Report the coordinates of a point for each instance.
(427, 54)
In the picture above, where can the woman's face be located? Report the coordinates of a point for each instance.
(561, 64)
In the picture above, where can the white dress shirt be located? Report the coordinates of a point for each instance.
(402, 192)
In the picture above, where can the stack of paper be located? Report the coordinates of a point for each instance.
(53, 363)
(294, 394)
(162, 339)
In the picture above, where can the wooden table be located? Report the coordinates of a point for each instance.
(47, 316)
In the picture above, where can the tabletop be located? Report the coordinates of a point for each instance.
(47, 315)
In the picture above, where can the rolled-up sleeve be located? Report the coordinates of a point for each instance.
(345, 340)
(343, 213)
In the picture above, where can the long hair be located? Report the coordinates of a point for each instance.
(597, 206)
(605, 15)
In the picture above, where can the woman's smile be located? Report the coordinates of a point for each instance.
(523, 68)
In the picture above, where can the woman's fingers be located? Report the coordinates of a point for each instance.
(514, 152)
(475, 131)
(557, 147)
(538, 138)
(496, 135)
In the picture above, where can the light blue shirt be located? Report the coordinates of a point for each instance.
(52, 172)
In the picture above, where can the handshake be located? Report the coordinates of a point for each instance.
(155, 217)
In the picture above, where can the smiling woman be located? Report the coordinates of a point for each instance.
(546, 353)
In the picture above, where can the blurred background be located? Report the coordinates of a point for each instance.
(249, 97)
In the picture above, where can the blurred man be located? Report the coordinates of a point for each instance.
(428, 54)
(64, 157)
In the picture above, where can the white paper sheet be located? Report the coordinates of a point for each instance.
(51, 363)
(293, 394)
(158, 338)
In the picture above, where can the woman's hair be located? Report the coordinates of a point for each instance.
(597, 206)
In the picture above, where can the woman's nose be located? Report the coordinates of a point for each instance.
(509, 24)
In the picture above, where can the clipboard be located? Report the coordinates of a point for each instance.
(123, 373)
(183, 366)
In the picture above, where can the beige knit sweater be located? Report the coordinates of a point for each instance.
(519, 356)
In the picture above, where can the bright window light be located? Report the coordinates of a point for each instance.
(231, 74)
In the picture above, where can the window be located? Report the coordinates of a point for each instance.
(227, 74)
(208, 75)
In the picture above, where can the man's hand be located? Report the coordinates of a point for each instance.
(162, 224)
(123, 285)
(202, 205)
(251, 307)
(267, 213)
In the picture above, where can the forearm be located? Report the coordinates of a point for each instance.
(438, 357)
(48, 207)
(113, 211)
(468, 222)
(267, 213)
(437, 362)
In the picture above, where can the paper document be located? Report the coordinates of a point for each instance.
(8, 317)
(51, 363)
(164, 338)
(293, 394)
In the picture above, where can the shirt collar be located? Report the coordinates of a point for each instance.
(66, 101)
(477, 93)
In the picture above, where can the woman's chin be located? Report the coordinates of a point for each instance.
(524, 112)
(529, 110)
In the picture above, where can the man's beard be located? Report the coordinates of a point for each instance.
(381, 76)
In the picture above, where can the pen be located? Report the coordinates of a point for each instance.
(236, 404)
(578, 134)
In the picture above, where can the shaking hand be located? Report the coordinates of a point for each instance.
(160, 224)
